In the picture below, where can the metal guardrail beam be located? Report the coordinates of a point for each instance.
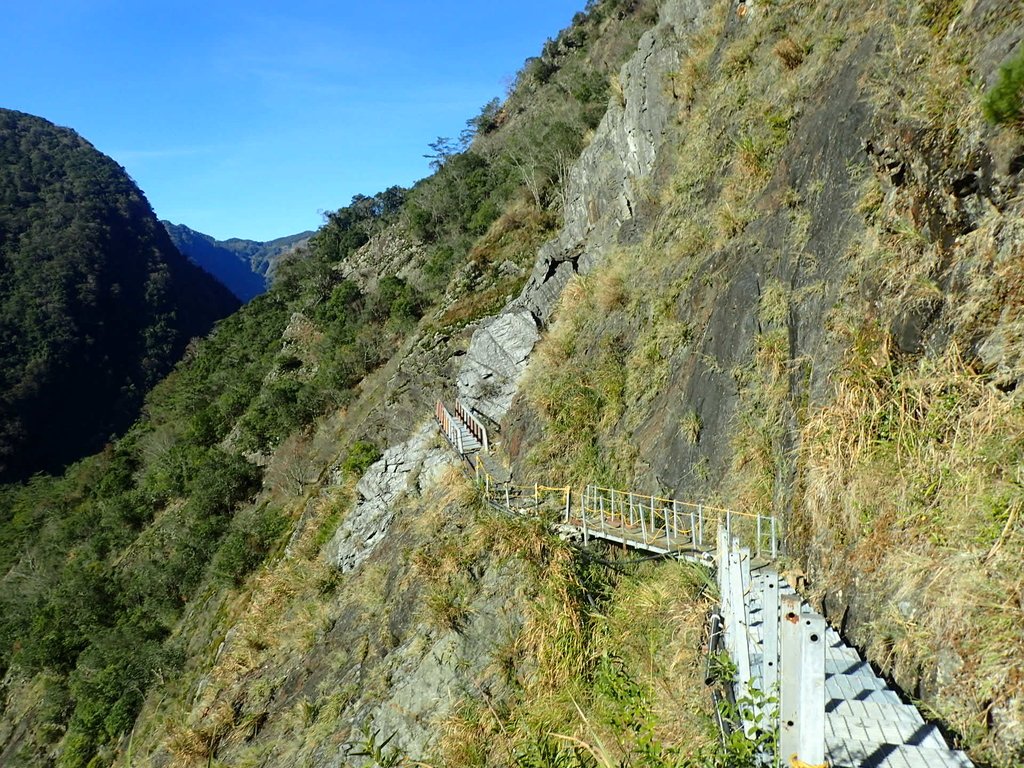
(739, 567)
(802, 697)
(770, 641)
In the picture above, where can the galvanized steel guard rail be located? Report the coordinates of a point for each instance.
(779, 659)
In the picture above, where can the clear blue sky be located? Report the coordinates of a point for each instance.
(247, 119)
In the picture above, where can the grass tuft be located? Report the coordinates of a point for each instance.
(789, 52)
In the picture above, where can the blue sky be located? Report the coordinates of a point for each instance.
(247, 119)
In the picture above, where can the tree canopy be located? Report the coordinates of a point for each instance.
(96, 304)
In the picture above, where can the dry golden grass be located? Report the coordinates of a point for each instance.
(652, 624)
(554, 632)
(617, 91)
(910, 484)
(575, 296)
(474, 734)
(690, 426)
(789, 52)
(610, 291)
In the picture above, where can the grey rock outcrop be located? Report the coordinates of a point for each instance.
(602, 194)
(603, 184)
(495, 361)
(433, 671)
(389, 477)
(387, 254)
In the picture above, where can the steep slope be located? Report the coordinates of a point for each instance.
(95, 303)
(123, 577)
(812, 308)
(244, 266)
(786, 279)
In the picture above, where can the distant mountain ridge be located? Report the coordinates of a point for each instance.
(96, 303)
(244, 266)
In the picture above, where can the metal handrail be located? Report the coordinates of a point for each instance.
(656, 522)
(695, 504)
(445, 419)
(663, 522)
(475, 425)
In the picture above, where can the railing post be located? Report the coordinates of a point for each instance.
(775, 542)
(723, 585)
(741, 649)
(789, 688)
(583, 514)
(770, 632)
(758, 543)
(802, 695)
(568, 501)
(668, 531)
(536, 496)
(693, 528)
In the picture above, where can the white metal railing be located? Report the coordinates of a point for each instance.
(474, 424)
(449, 426)
(460, 424)
(665, 524)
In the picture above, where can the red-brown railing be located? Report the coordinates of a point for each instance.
(448, 426)
(478, 430)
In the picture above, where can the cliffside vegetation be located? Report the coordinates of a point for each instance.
(810, 307)
(820, 321)
(119, 574)
(96, 305)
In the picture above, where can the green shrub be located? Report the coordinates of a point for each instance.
(344, 306)
(360, 456)
(398, 301)
(1004, 104)
(108, 687)
(251, 538)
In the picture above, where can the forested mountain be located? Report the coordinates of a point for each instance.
(763, 257)
(244, 266)
(96, 304)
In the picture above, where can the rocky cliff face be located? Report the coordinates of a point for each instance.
(603, 188)
(606, 185)
(772, 322)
